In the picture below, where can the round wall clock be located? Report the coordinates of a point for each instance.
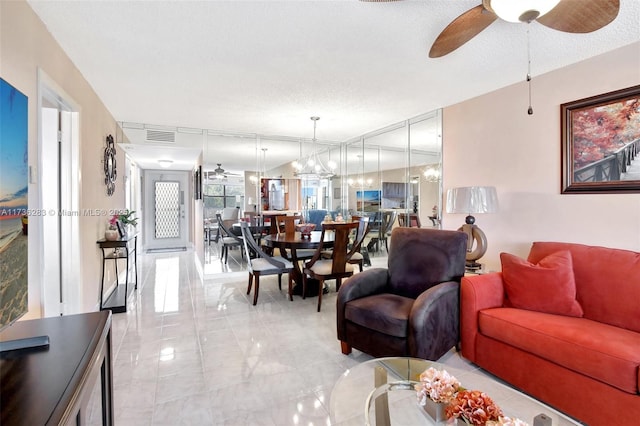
(110, 166)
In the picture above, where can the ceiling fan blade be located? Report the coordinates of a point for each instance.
(461, 30)
(581, 16)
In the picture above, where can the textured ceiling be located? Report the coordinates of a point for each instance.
(266, 67)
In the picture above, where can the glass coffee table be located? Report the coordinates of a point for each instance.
(380, 392)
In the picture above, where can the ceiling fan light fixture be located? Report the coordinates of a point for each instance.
(522, 10)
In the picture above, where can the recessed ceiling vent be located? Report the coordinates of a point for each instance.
(161, 136)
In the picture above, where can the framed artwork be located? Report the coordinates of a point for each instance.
(369, 200)
(601, 143)
(14, 220)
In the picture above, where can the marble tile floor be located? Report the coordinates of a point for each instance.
(192, 350)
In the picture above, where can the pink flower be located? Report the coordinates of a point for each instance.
(474, 406)
(437, 385)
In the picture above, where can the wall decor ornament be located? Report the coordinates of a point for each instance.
(109, 163)
(601, 143)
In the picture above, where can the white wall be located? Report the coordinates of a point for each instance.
(490, 140)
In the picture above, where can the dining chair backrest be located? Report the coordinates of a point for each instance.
(287, 224)
(388, 219)
(409, 220)
(341, 252)
(252, 249)
(222, 225)
(363, 229)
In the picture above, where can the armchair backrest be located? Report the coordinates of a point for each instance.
(420, 258)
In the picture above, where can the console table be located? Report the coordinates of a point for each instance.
(53, 385)
(123, 248)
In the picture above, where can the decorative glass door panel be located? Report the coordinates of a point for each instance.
(167, 210)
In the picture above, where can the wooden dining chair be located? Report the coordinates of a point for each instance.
(262, 264)
(357, 258)
(287, 225)
(338, 267)
(229, 239)
(409, 220)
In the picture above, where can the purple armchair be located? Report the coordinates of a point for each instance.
(411, 308)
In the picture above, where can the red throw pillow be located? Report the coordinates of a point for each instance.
(547, 287)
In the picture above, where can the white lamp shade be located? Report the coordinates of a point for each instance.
(472, 199)
(512, 10)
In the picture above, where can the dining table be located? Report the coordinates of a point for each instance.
(288, 244)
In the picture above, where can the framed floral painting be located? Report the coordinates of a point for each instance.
(601, 143)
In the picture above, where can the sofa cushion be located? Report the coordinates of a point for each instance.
(547, 286)
(600, 351)
(387, 313)
(607, 281)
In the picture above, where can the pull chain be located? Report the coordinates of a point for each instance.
(530, 110)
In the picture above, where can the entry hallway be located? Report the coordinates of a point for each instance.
(194, 351)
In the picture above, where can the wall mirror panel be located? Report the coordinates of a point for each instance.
(396, 168)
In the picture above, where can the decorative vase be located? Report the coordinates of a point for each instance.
(111, 234)
(435, 410)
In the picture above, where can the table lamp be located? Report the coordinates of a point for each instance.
(472, 200)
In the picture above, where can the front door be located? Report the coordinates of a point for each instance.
(166, 210)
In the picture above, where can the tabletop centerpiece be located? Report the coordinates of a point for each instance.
(305, 229)
(447, 402)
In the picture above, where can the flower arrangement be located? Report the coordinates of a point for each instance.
(475, 407)
(113, 222)
(437, 385)
(506, 421)
(470, 406)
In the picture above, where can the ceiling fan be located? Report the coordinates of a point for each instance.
(571, 16)
(220, 173)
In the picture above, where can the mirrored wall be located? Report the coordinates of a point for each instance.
(396, 168)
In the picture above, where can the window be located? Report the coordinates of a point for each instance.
(216, 196)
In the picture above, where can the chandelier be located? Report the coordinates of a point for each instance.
(311, 167)
(432, 174)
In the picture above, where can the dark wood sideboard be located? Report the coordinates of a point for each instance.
(52, 386)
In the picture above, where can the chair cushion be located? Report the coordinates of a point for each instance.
(323, 267)
(262, 265)
(230, 241)
(357, 256)
(601, 351)
(386, 313)
(548, 286)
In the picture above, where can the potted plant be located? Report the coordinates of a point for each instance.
(126, 219)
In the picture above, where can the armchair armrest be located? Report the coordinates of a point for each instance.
(366, 283)
(434, 321)
(477, 292)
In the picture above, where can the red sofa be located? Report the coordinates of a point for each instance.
(587, 366)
